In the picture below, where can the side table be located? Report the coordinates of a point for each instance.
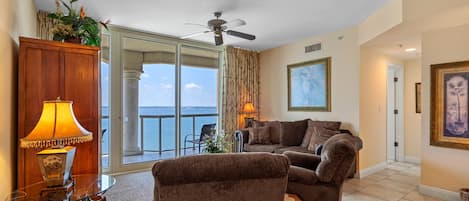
(86, 188)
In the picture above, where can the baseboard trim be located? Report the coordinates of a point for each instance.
(373, 169)
(439, 193)
(412, 159)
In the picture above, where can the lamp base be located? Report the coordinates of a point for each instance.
(56, 164)
(58, 193)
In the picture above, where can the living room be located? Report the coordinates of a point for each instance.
(157, 69)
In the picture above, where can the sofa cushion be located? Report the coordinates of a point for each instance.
(292, 133)
(293, 148)
(261, 147)
(274, 129)
(332, 125)
(319, 136)
(259, 135)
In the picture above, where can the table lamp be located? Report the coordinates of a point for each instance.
(248, 109)
(56, 127)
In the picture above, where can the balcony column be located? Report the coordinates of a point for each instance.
(133, 68)
(130, 111)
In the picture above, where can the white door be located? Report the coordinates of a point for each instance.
(395, 113)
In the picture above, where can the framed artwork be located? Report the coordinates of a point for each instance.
(418, 97)
(309, 86)
(449, 105)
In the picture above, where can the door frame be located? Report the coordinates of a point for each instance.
(395, 122)
(116, 165)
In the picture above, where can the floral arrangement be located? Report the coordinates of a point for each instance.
(75, 26)
(218, 144)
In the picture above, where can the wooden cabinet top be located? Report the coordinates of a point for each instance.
(25, 40)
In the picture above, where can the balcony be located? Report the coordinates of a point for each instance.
(157, 136)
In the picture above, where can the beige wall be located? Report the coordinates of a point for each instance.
(381, 21)
(442, 167)
(344, 78)
(373, 79)
(412, 131)
(16, 18)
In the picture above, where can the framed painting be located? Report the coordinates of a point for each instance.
(449, 105)
(418, 97)
(309, 86)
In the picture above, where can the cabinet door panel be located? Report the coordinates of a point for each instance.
(80, 86)
(39, 83)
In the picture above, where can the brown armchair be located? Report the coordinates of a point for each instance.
(320, 178)
(222, 177)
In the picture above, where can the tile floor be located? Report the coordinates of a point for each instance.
(398, 182)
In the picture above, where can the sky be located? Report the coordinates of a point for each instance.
(157, 85)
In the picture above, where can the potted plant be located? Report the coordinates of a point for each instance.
(75, 26)
(217, 144)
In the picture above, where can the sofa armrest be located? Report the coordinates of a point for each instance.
(241, 137)
(302, 175)
(304, 160)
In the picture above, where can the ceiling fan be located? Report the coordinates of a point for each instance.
(218, 26)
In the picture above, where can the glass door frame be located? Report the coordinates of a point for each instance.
(117, 33)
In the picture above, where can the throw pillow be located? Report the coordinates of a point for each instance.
(331, 125)
(292, 133)
(259, 135)
(274, 129)
(319, 136)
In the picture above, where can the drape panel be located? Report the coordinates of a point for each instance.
(44, 25)
(241, 85)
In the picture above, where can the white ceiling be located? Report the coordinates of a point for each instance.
(274, 22)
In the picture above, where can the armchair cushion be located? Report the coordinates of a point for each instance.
(293, 148)
(304, 160)
(259, 135)
(292, 133)
(261, 147)
(319, 136)
(302, 175)
(274, 129)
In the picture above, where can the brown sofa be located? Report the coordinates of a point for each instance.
(295, 132)
(222, 177)
(315, 178)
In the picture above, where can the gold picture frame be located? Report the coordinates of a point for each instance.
(449, 105)
(309, 86)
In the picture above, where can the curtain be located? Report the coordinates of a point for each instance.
(241, 85)
(44, 25)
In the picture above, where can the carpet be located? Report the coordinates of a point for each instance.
(132, 187)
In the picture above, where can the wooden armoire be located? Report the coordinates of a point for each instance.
(47, 70)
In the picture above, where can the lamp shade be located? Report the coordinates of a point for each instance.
(57, 126)
(249, 108)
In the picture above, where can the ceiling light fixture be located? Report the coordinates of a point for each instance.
(410, 50)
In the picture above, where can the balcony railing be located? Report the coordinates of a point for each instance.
(160, 133)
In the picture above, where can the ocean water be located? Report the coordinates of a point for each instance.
(168, 129)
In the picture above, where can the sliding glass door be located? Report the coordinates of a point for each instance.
(148, 94)
(163, 92)
(199, 92)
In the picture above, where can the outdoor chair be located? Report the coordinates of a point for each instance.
(205, 134)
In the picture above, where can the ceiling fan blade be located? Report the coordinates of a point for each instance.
(218, 39)
(241, 35)
(234, 23)
(194, 34)
(199, 25)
